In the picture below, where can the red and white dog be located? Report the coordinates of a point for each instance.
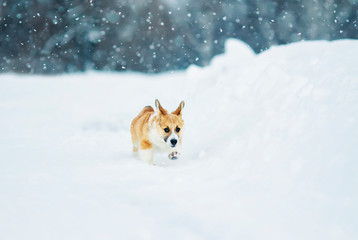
(158, 130)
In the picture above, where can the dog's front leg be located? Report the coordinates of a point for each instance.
(146, 152)
(146, 155)
(174, 155)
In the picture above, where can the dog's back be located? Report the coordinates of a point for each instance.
(139, 126)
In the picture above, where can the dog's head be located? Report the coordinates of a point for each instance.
(170, 125)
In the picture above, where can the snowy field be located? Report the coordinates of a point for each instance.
(270, 150)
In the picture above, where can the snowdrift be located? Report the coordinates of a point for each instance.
(270, 150)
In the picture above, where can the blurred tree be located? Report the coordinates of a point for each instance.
(56, 36)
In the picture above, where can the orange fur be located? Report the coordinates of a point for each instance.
(139, 128)
(148, 124)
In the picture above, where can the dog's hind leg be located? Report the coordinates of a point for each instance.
(135, 142)
(135, 147)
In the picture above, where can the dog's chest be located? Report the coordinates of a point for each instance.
(156, 140)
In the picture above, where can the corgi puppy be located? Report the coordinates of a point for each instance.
(158, 130)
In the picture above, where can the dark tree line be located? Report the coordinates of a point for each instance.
(56, 36)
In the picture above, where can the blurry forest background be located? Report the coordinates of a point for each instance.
(57, 36)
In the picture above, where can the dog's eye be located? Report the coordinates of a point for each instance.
(177, 129)
(166, 130)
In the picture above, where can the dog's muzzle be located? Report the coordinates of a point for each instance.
(173, 142)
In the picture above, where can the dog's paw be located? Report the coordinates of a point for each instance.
(174, 155)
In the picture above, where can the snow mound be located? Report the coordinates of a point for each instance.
(270, 150)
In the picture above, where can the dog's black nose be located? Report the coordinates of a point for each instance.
(173, 142)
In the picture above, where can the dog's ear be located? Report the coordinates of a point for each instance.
(159, 108)
(178, 110)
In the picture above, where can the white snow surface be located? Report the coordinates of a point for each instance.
(270, 150)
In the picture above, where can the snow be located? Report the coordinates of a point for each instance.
(270, 150)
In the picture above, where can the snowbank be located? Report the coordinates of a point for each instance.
(270, 150)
